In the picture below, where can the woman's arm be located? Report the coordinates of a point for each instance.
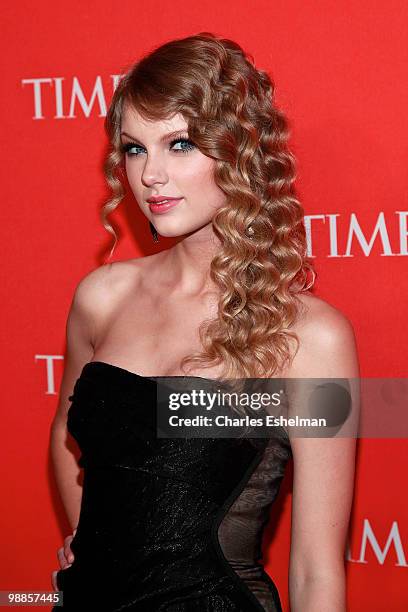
(323, 474)
(80, 337)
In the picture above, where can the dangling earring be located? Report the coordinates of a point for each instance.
(154, 232)
(250, 231)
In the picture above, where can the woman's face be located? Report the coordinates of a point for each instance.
(161, 161)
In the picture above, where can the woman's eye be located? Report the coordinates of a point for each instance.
(185, 141)
(128, 146)
(187, 145)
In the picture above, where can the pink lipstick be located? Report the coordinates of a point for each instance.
(162, 205)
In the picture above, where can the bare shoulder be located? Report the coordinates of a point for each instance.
(95, 297)
(327, 343)
(101, 286)
(320, 315)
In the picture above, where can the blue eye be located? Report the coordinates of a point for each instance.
(125, 148)
(188, 146)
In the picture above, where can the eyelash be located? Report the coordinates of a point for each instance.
(125, 148)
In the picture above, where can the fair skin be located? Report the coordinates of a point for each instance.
(163, 298)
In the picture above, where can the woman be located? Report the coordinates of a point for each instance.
(176, 525)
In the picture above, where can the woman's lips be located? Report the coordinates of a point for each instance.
(158, 208)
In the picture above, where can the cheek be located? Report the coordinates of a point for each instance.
(133, 174)
(199, 177)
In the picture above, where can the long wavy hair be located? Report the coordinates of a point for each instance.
(262, 262)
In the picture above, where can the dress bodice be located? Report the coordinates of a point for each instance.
(165, 524)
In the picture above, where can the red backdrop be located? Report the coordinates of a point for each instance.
(340, 72)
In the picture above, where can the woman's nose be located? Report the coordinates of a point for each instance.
(154, 171)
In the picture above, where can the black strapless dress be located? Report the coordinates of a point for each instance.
(169, 525)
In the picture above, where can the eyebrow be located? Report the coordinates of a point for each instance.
(164, 138)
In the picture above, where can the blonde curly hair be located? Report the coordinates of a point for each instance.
(262, 263)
